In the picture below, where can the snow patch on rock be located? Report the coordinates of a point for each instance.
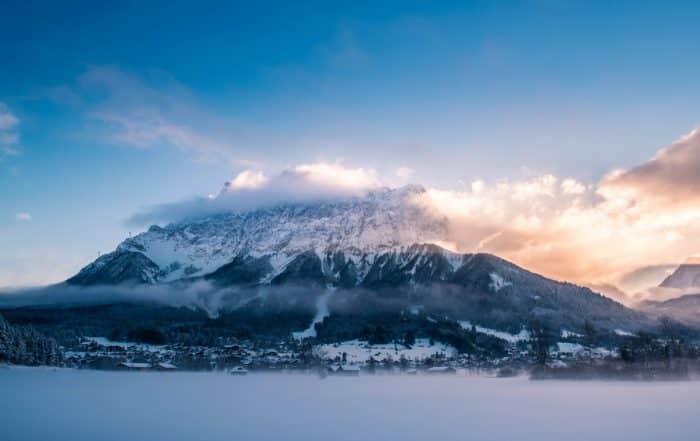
(570, 334)
(498, 282)
(322, 312)
(523, 335)
(623, 333)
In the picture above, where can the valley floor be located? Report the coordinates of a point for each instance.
(76, 405)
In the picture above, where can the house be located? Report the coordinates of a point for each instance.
(441, 370)
(165, 367)
(131, 366)
(344, 369)
(237, 371)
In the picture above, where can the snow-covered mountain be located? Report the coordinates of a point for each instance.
(379, 250)
(346, 236)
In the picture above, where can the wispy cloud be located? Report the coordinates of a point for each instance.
(152, 111)
(146, 128)
(344, 50)
(23, 217)
(9, 134)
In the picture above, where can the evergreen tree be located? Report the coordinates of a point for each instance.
(589, 333)
(20, 345)
(542, 339)
(409, 338)
(5, 341)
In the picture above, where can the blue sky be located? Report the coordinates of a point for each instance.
(121, 107)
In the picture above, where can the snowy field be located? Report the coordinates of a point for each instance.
(358, 351)
(43, 404)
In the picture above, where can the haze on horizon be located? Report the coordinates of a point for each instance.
(570, 152)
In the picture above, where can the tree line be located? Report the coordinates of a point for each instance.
(26, 346)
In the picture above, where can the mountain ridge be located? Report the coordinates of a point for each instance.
(382, 220)
(378, 250)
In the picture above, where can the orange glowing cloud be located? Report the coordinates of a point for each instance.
(562, 228)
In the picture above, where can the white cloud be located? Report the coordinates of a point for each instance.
(251, 190)
(544, 185)
(335, 175)
(572, 187)
(23, 217)
(318, 177)
(248, 180)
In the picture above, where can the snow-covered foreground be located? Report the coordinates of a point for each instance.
(41, 404)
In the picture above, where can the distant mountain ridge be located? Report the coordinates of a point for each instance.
(685, 276)
(685, 308)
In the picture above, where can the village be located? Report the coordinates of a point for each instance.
(355, 357)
